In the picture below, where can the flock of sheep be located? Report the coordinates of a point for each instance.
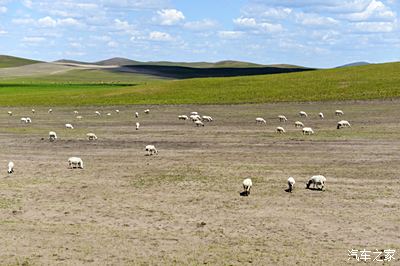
(305, 130)
(317, 181)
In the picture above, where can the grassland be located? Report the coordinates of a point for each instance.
(381, 81)
(11, 61)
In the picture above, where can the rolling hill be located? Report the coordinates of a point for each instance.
(12, 61)
(376, 81)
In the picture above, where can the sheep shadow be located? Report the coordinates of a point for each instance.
(244, 194)
(317, 189)
(288, 190)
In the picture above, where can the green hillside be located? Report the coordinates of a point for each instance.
(11, 61)
(380, 81)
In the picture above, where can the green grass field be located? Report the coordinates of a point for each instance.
(380, 81)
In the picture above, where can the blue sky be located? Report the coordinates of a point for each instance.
(315, 33)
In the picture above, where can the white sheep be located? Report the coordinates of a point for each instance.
(50, 111)
(52, 136)
(198, 123)
(343, 123)
(151, 149)
(69, 126)
(207, 118)
(91, 136)
(280, 130)
(33, 111)
(298, 124)
(79, 117)
(247, 184)
(282, 118)
(339, 112)
(147, 111)
(136, 114)
(308, 131)
(321, 115)
(28, 120)
(97, 113)
(195, 118)
(23, 120)
(291, 183)
(75, 162)
(76, 112)
(260, 120)
(9, 113)
(108, 114)
(303, 114)
(194, 113)
(183, 117)
(316, 181)
(137, 125)
(10, 167)
(117, 111)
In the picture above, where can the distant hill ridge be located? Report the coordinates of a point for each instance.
(12, 61)
(361, 63)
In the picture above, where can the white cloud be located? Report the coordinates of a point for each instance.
(375, 10)
(33, 40)
(3, 9)
(200, 25)
(159, 36)
(230, 34)
(125, 26)
(258, 27)
(76, 45)
(112, 44)
(315, 20)
(27, 3)
(276, 13)
(374, 26)
(2, 32)
(170, 16)
(68, 22)
(23, 21)
(47, 22)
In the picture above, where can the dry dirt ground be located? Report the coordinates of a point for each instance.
(182, 206)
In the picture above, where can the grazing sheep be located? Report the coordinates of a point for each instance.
(291, 183)
(108, 114)
(69, 126)
(343, 123)
(76, 112)
(23, 120)
(136, 114)
(321, 115)
(137, 125)
(280, 130)
(198, 123)
(79, 117)
(10, 167)
(308, 131)
(298, 124)
(316, 181)
(9, 113)
(91, 136)
(75, 162)
(247, 184)
(207, 118)
(117, 111)
(339, 112)
(282, 118)
(52, 136)
(147, 111)
(260, 120)
(183, 117)
(151, 149)
(194, 113)
(303, 114)
(33, 111)
(195, 118)
(50, 111)
(28, 120)
(97, 113)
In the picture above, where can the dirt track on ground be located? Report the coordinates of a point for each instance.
(182, 206)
